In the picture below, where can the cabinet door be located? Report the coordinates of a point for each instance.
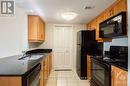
(50, 62)
(120, 6)
(43, 31)
(45, 71)
(36, 29)
(10, 81)
(40, 30)
(94, 24)
(42, 74)
(99, 20)
(108, 13)
(89, 26)
(119, 77)
(88, 67)
(33, 28)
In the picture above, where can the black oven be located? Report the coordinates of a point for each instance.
(100, 73)
(33, 77)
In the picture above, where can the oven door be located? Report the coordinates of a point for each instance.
(33, 78)
(101, 73)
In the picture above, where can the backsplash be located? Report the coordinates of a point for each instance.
(116, 42)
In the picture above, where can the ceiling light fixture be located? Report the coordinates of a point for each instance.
(69, 15)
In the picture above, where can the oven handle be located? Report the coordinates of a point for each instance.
(102, 64)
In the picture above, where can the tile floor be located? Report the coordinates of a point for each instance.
(65, 78)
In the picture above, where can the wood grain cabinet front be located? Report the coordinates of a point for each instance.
(10, 81)
(88, 67)
(36, 29)
(119, 77)
(46, 67)
(115, 8)
(121, 5)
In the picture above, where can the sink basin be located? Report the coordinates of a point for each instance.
(34, 57)
(31, 57)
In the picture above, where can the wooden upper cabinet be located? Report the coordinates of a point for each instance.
(89, 26)
(115, 8)
(99, 20)
(120, 6)
(119, 77)
(36, 29)
(92, 25)
(108, 13)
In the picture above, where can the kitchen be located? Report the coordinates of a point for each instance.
(55, 41)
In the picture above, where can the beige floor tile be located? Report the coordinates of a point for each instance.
(65, 78)
(60, 83)
(51, 85)
(72, 84)
(52, 80)
(69, 80)
(84, 83)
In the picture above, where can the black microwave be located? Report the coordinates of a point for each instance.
(113, 27)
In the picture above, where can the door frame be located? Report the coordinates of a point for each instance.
(72, 55)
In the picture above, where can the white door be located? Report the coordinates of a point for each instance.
(63, 47)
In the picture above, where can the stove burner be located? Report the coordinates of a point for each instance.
(106, 58)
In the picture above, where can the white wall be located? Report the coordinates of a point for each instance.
(49, 38)
(13, 34)
(116, 42)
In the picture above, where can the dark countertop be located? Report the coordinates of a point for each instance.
(122, 65)
(12, 66)
(119, 65)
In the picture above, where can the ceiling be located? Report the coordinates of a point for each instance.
(51, 10)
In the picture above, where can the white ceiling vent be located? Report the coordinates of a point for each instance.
(89, 7)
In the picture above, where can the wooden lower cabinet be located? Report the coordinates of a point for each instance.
(50, 63)
(88, 67)
(10, 81)
(46, 66)
(119, 77)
